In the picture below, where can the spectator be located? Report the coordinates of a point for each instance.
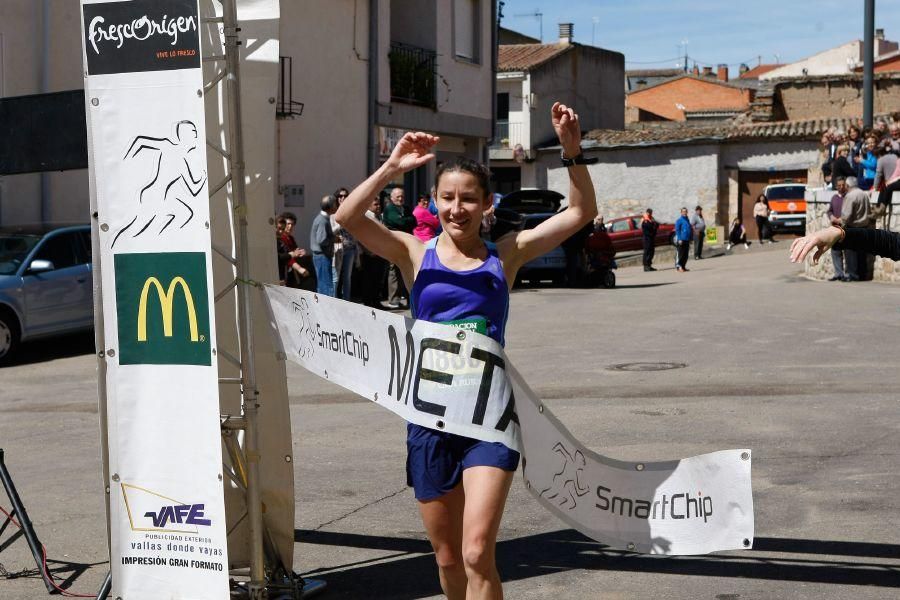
(840, 166)
(894, 137)
(294, 268)
(698, 223)
(854, 143)
(892, 184)
(345, 253)
(834, 218)
(829, 145)
(737, 235)
(855, 213)
(321, 241)
(396, 219)
(649, 227)
(866, 164)
(488, 220)
(372, 266)
(761, 214)
(426, 223)
(683, 235)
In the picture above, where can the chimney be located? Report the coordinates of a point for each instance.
(695, 71)
(707, 71)
(722, 72)
(879, 34)
(744, 68)
(566, 32)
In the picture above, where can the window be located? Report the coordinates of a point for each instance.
(287, 107)
(503, 106)
(619, 226)
(60, 250)
(466, 29)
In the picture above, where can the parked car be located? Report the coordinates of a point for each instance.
(626, 233)
(526, 209)
(787, 203)
(45, 283)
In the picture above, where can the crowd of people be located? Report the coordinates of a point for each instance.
(867, 154)
(337, 265)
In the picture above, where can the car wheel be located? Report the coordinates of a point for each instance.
(672, 239)
(610, 279)
(9, 336)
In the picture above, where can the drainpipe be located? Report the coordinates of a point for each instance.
(495, 29)
(45, 87)
(371, 142)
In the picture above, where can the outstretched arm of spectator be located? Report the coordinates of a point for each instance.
(873, 241)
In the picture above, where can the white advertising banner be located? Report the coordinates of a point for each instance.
(457, 380)
(149, 188)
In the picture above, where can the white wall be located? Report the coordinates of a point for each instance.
(326, 147)
(834, 61)
(31, 66)
(665, 178)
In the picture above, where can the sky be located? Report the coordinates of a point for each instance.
(650, 32)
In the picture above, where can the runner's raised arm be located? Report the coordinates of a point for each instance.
(411, 152)
(523, 246)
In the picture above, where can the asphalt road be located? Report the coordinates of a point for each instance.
(804, 373)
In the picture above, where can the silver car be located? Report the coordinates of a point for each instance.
(45, 284)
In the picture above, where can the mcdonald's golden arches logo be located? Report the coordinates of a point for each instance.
(163, 308)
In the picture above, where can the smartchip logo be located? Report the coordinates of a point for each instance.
(163, 309)
(141, 35)
(150, 511)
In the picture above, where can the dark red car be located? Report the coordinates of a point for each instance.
(626, 234)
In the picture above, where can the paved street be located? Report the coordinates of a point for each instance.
(804, 373)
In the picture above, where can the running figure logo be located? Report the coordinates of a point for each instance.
(307, 331)
(567, 484)
(174, 178)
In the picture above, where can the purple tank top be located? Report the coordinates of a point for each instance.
(478, 295)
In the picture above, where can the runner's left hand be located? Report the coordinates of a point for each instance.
(567, 127)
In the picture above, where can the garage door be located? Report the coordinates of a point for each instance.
(751, 185)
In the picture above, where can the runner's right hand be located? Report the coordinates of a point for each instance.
(413, 150)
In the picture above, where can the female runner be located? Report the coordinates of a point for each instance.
(461, 484)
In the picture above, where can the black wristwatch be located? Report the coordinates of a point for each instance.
(578, 159)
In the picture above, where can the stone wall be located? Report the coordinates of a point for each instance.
(824, 97)
(816, 206)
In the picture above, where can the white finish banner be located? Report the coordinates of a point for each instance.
(457, 380)
(149, 189)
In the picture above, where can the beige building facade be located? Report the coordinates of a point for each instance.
(356, 74)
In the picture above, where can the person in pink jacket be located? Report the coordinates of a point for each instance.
(426, 223)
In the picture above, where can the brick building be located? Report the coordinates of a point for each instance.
(687, 95)
(826, 96)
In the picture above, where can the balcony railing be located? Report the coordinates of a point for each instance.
(413, 75)
(507, 135)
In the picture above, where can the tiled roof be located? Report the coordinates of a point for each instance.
(653, 72)
(523, 57)
(758, 70)
(810, 129)
(680, 76)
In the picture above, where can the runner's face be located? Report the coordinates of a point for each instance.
(461, 204)
(289, 226)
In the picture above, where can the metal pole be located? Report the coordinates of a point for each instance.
(868, 62)
(250, 394)
(37, 550)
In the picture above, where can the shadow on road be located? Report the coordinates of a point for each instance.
(567, 550)
(64, 346)
(637, 286)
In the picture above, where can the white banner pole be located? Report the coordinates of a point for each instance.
(143, 87)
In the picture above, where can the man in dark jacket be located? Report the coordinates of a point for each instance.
(649, 226)
(396, 218)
